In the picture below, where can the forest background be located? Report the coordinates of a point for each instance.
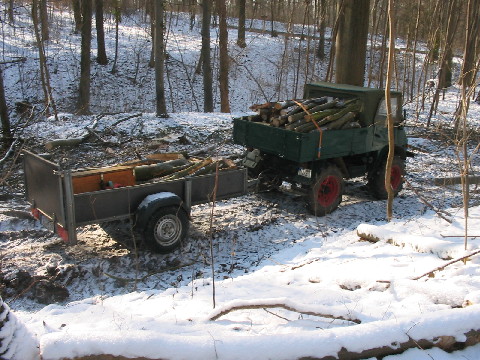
(439, 47)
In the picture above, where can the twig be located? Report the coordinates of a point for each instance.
(447, 264)
(423, 200)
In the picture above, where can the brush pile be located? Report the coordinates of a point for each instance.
(308, 115)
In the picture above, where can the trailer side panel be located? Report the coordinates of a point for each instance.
(120, 203)
(43, 186)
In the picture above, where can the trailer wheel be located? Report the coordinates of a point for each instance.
(376, 180)
(166, 229)
(326, 193)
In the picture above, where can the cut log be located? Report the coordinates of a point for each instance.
(64, 142)
(339, 123)
(350, 108)
(284, 104)
(267, 105)
(311, 108)
(321, 114)
(189, 170)
(147, 172)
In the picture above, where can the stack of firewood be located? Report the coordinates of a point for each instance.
(308, 115)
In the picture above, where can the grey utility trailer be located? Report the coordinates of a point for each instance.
(66, 199)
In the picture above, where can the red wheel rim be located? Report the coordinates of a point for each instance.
(328, 191)
(396, 177)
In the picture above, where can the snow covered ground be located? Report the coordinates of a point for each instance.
(287, 285)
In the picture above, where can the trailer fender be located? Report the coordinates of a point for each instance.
(152, 203)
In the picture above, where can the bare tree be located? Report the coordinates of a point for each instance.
(84, 88)
(205, 58)
(472, 43)
(321, 6)
(161, 104)
(445, 61)
(44, 20)
(6, 131)
(241, 23)
(10, 11)
(224, 60)
(118, 18)
(77, 15)
(44, 73)
(101, 53)
(352, 42)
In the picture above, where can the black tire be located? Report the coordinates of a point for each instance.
(376, 179)
(166, 229)
(326, 194)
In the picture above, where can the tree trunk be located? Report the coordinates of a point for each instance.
(77, 15)
(84, 88)
(352, 42)
(468, 74)
(118, 16)
(11, 4)
(161, 105)
(390, 124)
(320, 53)
(452, 24)
(224, 60)
(150, 5)
(101, 53)
(44, 20)
(241, 24)
(44, 73)
(6, 131)
(205, 57)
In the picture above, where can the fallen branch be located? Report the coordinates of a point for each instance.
(125, 119)
(455, 180)
(447, 264)
(274, 303)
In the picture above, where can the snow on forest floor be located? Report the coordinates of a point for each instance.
(287, 285)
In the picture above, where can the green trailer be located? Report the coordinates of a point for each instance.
(317, 162)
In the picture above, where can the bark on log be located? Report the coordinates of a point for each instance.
(311, 107)
(337, 124)
(147, 172)
(321, 114)
(64, 142)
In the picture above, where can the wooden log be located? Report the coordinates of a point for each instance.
(455, 180)
(278, 121)
(189, 170)
(147, 172)
(339, 123)
(311, 107)
(265, 114)
(354, 107)
(64, 142)
(267, 105)
(322, 114)
(284, 104)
